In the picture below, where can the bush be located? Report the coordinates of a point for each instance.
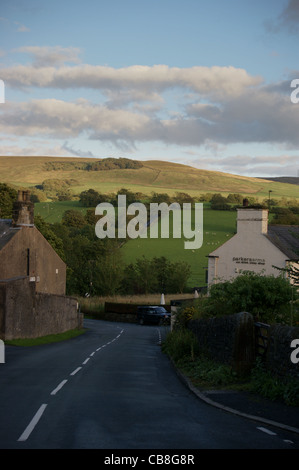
(266, 297)
(273, 387)
(181, 343)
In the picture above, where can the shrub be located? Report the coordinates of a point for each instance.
(273, 387)
(266, 297)
(181, 343)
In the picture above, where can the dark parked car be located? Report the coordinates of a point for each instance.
(153, 314)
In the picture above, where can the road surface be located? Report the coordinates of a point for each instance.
(113, 388)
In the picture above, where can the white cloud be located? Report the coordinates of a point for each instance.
(220, 82)
(51, 56)
(266, 165)
(255, 116)
(62, 119)
(207, 107)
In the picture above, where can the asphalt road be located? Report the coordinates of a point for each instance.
(113, 388)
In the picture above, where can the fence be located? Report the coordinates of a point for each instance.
(261, 339)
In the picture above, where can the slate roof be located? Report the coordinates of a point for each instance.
(286, 238)
(7, 232)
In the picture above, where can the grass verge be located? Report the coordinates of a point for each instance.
(206, 374)
(46, 339)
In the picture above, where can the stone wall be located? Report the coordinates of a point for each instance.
(27, 314)
(231, 340)
(228, 339)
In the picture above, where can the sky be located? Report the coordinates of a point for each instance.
(205, 83)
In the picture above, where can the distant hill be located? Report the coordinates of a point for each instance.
(110, 175)
(285, 179)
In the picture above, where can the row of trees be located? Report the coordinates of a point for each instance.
(95, 266)
(111, 163)
(91, 197)
(155, 275)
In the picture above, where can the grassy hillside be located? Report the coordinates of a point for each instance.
(152, 176)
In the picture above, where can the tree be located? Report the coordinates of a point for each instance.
(54, 240)
(235, 198)
(218, 202)
(155, 275)
(160, 197)
(147, 278)
(73, 218)
(111, 163)
(91, 198)
(285, 216)
(182, 198)
(108, 272)
(292, 272)
(7, 197)
(180, 272)
(130, 196)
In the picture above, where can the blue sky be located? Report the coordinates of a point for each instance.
(204, 83)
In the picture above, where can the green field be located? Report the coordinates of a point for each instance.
(53, 211)
(218, 227)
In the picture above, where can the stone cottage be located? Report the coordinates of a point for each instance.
(255, 247)
(32, 279)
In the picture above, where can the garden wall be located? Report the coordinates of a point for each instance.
(27, 314)
(231, 340)
(228, 339)
(278, 356)
(126, 308)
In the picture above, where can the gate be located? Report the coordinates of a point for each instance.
(261, 339)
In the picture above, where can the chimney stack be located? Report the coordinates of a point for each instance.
(23, 210)
(251, 221)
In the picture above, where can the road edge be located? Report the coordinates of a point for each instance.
(207, 400)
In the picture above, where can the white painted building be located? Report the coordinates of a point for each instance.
(255, 247)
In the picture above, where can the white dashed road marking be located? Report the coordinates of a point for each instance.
(75, 371)
(32, 423)
(267, 431)
(24, 436)
(58, 387)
